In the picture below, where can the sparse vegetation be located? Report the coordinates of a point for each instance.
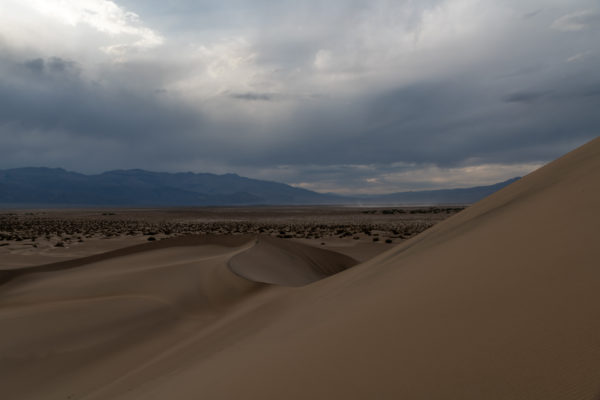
(311, 223)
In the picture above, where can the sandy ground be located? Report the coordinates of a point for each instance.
(500, 301)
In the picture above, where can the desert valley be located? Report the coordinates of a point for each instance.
(497, 301)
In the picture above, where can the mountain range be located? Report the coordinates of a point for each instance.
(56, 186)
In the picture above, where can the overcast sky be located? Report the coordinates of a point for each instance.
(342, 96)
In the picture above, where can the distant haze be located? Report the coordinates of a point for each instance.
(339, 96)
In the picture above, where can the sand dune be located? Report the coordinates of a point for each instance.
(60, 318)
(73, 321)
(192, 240)
(287, 263)
(497, 302)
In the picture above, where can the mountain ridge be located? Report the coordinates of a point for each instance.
(138, 187)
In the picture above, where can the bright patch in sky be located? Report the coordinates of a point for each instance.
(124, 28)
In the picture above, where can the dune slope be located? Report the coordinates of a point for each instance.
(499, 302)
(77, 327)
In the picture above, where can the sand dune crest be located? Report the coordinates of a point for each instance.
(281, 262)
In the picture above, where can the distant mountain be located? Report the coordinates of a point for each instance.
(56, 186)
(443, 196)
(144, 188)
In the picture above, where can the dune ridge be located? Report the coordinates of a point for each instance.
(183, 241)
(287, 263)
(497, 302)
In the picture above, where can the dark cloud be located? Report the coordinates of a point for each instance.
(592, 90)
(58, 65)
(36, 65)
(532, 14)
(51, 65)
(58, 118)
(524, 97)
(253, 96)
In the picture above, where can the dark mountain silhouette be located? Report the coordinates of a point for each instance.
(144, 188)
(56, 186)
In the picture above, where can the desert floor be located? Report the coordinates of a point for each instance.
(33, 236)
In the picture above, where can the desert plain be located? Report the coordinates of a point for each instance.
(37, 236)
(498, 300)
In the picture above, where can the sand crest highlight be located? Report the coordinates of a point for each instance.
(287, 263)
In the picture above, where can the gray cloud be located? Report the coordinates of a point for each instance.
(345, 96)
(524, 97)
(53, 65)
(36, 65)
(58, 65)
(578, 21)
(253, 96)
(532, 14)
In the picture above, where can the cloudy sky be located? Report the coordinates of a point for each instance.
(344, 96)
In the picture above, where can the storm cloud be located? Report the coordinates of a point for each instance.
(341, 96)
